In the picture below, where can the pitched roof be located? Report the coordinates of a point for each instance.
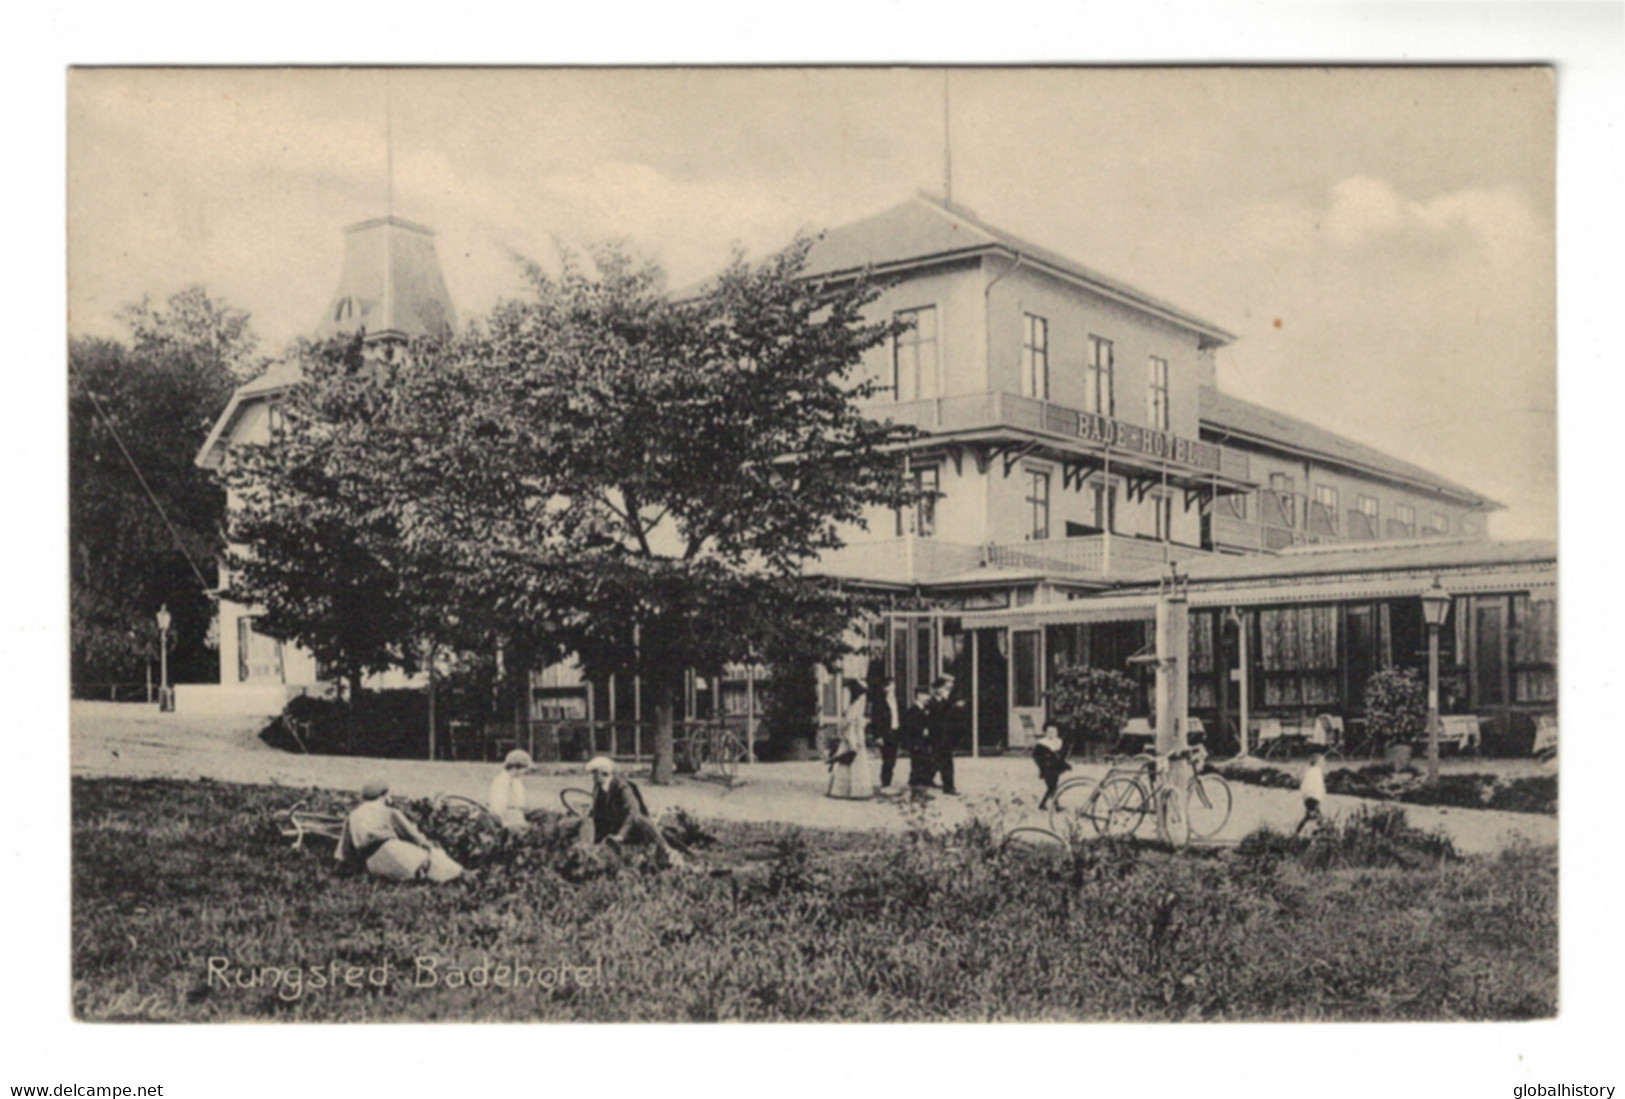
(1231, 416)
(924, 230)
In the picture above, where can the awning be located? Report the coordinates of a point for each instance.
(1320, 589)
(1138, 608)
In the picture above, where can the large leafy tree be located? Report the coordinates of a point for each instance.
(684, 461)
(316, 523)
(598, 470)
(138, 409)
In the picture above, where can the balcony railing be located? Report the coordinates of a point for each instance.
(971, 411)
(934, 560)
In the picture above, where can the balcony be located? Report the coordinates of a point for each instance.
(1129, 444)
(888, 561)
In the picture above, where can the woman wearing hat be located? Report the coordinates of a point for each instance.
(849, 760)
(507, 797)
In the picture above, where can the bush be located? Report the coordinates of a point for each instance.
(388, 724)
(1091, 704)
(1396, 708)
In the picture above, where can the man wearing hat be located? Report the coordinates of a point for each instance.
(618, 816)
(507, 797)
(379, 836)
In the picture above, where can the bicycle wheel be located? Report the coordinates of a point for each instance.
(1034, 838)
(1117, 806)
(576, 801)
(1207, 805)
(729, 751)
(456, 803)
(1070, 805)
(1173, 819)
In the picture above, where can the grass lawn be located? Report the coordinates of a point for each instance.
(188, 906)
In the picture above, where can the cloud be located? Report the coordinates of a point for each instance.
(1496, 223)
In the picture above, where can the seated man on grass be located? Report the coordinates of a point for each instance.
(382, 838)
(619, 817)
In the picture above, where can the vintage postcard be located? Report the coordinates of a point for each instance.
(814, 544)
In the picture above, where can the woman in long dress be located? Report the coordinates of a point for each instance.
(849, 775)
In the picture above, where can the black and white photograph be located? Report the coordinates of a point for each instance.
(901, 542)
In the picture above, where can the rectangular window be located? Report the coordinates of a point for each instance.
(1038, 503)
(1407, 518)
(1326, 506)
(914, 354)
(1163, 507)
(1156, 403)
(1097, 379)
(1024, 646)
(928, 480)
(1283, 501)
(1035, 357)
(1441, 522)
(1234, 505)
(1367, 506)
(1105, 506)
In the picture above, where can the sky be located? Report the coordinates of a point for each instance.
(1381, 241)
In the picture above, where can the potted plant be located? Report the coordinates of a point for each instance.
(1396, 712)
(1091, 705)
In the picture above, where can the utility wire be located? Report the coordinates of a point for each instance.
(173, 533)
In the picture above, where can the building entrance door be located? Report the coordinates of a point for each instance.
(1026, 687)
(1489, 653)
(992, 691)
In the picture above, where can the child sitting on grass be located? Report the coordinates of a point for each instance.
(1050, 754)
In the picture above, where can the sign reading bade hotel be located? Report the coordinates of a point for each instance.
(1143, 440)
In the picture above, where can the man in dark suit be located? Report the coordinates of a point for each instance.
(940, 714)
(885, 726)
(915, 733)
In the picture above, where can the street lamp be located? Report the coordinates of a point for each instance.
(1435, 609)
(166, 702)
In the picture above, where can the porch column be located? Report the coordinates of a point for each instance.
(975, 694)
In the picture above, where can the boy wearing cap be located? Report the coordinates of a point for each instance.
(1313, 790)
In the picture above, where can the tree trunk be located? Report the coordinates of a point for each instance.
(349, 711)
(665, 762)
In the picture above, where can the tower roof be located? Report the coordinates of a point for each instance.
(390, 285)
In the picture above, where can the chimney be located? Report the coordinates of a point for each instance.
(390, 285)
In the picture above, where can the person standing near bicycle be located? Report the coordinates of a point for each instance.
(1313, 789)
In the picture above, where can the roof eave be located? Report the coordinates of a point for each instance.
(1467, 496)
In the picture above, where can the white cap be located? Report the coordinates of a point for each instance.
(601, 764)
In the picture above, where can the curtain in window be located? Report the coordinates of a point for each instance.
(1201, 642)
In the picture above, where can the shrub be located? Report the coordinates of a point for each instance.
(1536, 794)
(1092, 704)
(1395, 706)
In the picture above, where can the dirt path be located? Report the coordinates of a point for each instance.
(127, 740)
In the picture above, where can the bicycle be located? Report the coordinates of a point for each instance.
(711, 747)
(1120, 802)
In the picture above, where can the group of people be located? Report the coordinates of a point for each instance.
(924, 731)
(385, 841)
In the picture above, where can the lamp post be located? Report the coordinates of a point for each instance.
(166, 704)
(1435, 609)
